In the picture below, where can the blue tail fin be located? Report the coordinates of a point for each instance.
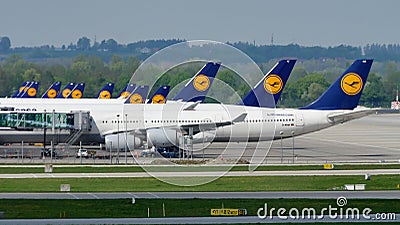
(53, 90)
(21, 89)
(138, 96)
(346, 91)
(31, 91)
(124, 94)
(160, 96)
(106, 91)
(196, 89)
(77, 92)
(267, 92)
(66, 91)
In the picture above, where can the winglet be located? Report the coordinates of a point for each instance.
(346, 91)
(192, 105)
(240, 118)
(197, 88)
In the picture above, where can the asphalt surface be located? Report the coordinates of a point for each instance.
(369, 139)
(206, 174)
(209, 195)
(187, 220)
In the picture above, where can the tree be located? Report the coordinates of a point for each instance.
(297, 73)
(391, 82)
(5, 44)
(111, 44)
(304, 90)
(315, 90)
(373, 94)
(83, 44)
(31, 74)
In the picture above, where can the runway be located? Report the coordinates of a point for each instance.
(206, 174)
(369, 139)
(209, 195)
(191, 220)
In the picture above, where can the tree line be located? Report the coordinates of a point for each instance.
(106, 48)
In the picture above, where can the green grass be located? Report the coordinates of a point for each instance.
(121, 169)
(108, 208)
(262, 183)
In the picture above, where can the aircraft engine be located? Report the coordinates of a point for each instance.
(162, 137)
(132, 141)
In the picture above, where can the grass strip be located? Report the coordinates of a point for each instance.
(121, 169)
(262, 183)
(123, 208)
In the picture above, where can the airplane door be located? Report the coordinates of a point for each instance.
(299, 120)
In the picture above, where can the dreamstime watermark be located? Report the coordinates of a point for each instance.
(336, 212)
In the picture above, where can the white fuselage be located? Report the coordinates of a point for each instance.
(259, 124)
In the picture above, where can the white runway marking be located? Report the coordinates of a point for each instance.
(95, 196)
(74, 196)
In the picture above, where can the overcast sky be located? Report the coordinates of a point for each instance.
(304, 22)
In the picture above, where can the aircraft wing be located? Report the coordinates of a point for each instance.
(211, 126)
(350, 115)
(192, 105)
(196, 127)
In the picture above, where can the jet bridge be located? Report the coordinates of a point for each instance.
(35, 123)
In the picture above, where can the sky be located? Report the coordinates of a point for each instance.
(304, 22)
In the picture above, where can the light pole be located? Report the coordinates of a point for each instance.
(203, 146)
(126, 138)
(281, 133)
(110, 153)
(117, 138)
(293, 144)
(44, 132)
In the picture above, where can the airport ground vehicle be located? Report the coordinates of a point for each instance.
(82, 153)
(48, 152)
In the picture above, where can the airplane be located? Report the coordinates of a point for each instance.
(30, 90)
(127, 91)
(242, 123)
(159, 96)
(53, 90)
(21, 89)
(197, 88)
(267, 91)
(66, 91)
(77, 92)
(336, 105)
(194, 90)
(106, 91)
(138, 96)
(163, 124)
